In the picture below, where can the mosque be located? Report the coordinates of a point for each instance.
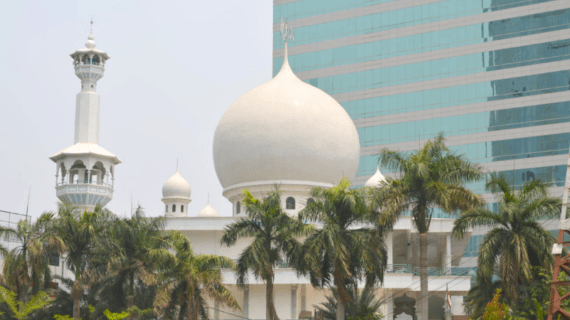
(283, 132)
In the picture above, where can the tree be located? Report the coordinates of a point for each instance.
(87, 237)
(27, 265)
(343, 249)
(142, 252)
(19, 309)
(362, 306)
(517, 241)
(115, 316)
(432, 177)
(274, 238)
(193, 279)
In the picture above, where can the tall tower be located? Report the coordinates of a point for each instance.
(86, 170)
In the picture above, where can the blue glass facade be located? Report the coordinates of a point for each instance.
(493, 75)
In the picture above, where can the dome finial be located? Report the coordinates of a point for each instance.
(90, 43)
(287, 33)
(176, 165)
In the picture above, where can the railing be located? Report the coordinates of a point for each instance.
(448, 271)
(407, 268)
(102, 184)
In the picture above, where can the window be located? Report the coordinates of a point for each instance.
(173, 208)
(166, 209)
(310, 200)
(290, 203)
(53, 259)
(182, 208)
(238, 207)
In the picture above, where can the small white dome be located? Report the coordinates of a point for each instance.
(208, 211)
(176, 187)
(376, 180)
(285, 130)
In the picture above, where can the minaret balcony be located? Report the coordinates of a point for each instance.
(89, 72)
(85, 194)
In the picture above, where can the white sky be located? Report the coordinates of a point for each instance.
(175, 67)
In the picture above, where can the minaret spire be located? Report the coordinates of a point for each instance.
(87, 170)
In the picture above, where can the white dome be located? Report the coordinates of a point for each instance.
(285, 130)
(208, 211)
(176, 187)
(376, 180)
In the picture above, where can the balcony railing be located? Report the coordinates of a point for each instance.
(407, 268)
(98, 184)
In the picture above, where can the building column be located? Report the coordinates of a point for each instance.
(409, 253)
(294, 314)
(448, 254)
(246, 301)
(303, 297)
(457, 308)
(390, 249)
(389, 304)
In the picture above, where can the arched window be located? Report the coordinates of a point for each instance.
(181, 208)
(238, 207)
(310, 200)
(166, 210)
(173, 208)
(290, 203)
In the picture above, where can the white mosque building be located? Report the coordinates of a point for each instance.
(283, 132)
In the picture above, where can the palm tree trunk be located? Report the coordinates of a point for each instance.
(270, 313)
(342, 298)
(76, 296)
(77, 308)
(423, 276)
(131, 297)
(192, 306)
(340, 310)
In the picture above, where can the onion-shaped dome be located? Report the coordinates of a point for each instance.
(208, 211)
(285, 130)
(376, 180)
(176, 187)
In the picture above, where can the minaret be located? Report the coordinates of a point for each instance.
(87, 170)
(176, 193)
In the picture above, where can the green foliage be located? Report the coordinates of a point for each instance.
(138, 313)
(362, 305)
(26, 270)
(274, 235)
(496, 310)
(115, 316)
(517, 241)
(192, 279)
(20, 310)
(344, 249)
(141, 254)
(432, 177)
(65, 317)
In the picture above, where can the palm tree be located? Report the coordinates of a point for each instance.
(192, 279)
(362, 304)
(27, 265)
(87, 237)
(478, 296)
(343, 249)
(274, 235)
(432, 177)
(517, 241)
(142, 251)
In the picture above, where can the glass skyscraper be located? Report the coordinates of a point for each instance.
(493, 75)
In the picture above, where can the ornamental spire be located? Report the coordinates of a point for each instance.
(287, 33)
(90, 39)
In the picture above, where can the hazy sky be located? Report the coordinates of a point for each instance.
(175, 67)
